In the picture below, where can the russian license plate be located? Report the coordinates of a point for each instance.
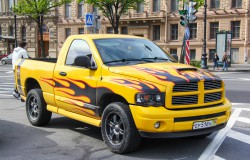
(204, 124)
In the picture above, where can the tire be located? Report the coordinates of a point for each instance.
(118, 129)
(36, 110)
(3, 62)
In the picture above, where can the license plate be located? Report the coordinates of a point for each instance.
(204, 124)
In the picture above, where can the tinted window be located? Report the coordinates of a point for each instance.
(77, 48)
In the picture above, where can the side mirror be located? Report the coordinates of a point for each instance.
(82, 61)
(175, 56)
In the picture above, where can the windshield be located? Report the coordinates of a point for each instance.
(124, 51)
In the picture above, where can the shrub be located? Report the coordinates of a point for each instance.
(195, 63)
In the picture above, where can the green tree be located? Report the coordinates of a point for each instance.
(37, 10)
(113, 9)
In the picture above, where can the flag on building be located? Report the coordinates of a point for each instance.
(187, 56)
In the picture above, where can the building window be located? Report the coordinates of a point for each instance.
(156, 5)
(80, 10)
(124, 30)
(0, 6)
(193, 30)
(173, 51)
(81, 30)
(110, 30)
(215, 4)
(11, 31)
(23, 29)
(192, 54)
(140, 7)
(174, 5)
(156, 33)
(174, 31)
(236, 3)
(235, 28)
(67, 10)
(214, 28)
(11, 3)
(67, 32)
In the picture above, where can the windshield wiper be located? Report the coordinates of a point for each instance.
(126, 60)
(159, 58)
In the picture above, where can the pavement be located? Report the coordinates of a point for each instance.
(233, 68)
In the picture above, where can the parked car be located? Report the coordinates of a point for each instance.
(7, 59)
(2, 55)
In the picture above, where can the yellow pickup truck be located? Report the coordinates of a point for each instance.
(126, 85)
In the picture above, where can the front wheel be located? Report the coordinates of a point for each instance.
(118, 129)
(3, 62)
(36, 110)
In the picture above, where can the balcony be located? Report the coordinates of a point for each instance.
(144, 15)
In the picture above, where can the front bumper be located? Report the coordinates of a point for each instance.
(178, 123)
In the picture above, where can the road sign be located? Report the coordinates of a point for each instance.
(89, 19)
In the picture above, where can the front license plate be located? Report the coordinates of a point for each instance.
(204, 124)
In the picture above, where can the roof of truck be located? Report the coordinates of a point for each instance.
(100, 36)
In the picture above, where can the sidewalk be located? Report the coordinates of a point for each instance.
(233, 68)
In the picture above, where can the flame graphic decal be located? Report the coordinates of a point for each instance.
(164, 75)
(136, 84)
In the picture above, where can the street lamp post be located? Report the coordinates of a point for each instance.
(204, 54)
(15, 25)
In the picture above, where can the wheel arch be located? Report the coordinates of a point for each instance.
(30, 84)
(108, 98)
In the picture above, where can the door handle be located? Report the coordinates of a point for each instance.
(63, 73)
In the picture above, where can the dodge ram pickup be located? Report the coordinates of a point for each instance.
(126, 85)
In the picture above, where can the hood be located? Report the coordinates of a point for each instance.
(164, 73)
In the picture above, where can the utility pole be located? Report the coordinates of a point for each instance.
(204, 54)
(15, 25)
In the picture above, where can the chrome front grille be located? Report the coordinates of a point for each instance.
(208, 85)
(211, 97)
(186, 87)
(184, 100)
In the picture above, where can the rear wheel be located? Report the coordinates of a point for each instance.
(3, 62)
(118, 129)
(36, 110)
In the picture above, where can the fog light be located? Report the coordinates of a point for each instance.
(157, 125)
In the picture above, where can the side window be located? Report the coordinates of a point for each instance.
(77, 48)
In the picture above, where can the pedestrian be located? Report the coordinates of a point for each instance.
(225, 62)
(18, 53)
(215, 60)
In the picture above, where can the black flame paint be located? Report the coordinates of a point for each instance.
(177, 76)
(136, 84)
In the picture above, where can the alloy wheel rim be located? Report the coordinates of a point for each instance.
(114, 128)
(33, 108)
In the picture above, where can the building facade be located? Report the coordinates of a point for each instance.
(159, 21)
(27, 30)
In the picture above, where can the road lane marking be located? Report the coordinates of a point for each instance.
(218, 158)
(211, 149)
(6, 76)
(244, 120)
(8, 83)
(9, 72)
(239, 136)
(240, 104)
(7, 95)
(6, 89)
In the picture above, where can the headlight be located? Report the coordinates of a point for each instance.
(150, 99)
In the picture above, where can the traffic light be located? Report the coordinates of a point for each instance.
(183, 18)
(191, 11)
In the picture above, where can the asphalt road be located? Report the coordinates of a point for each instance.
(65, 138)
